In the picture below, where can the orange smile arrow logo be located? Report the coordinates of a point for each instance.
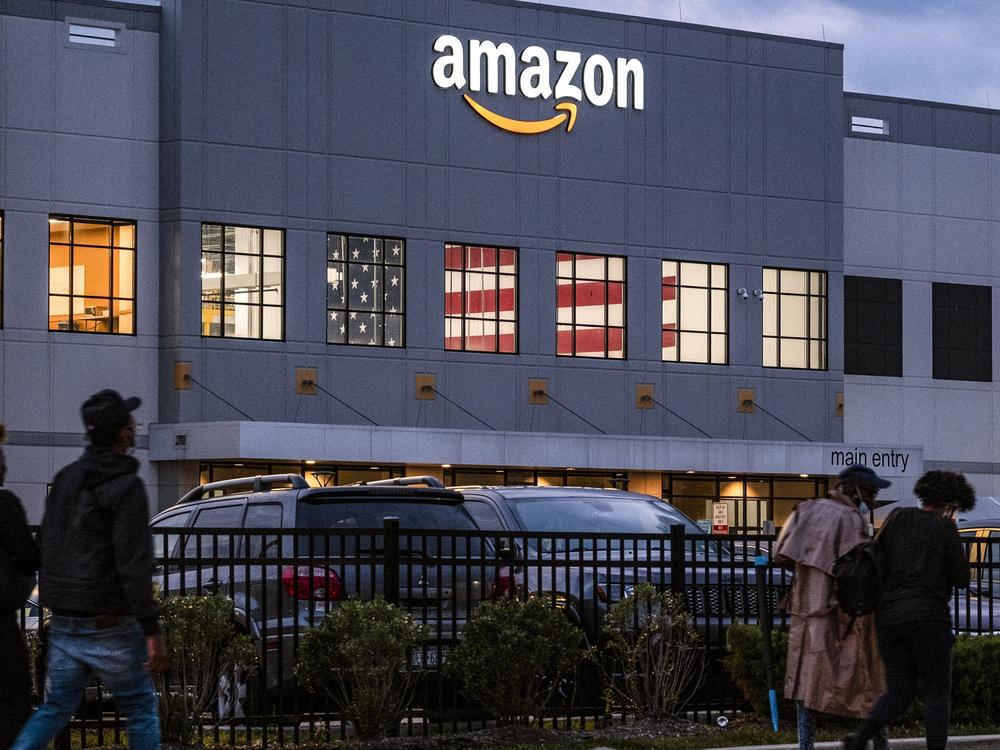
(526, 127)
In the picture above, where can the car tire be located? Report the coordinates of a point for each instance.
(238, 695)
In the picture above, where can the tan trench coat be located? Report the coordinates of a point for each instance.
(833, 664)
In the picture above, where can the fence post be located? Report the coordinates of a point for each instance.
(390, 544)
(677, 559)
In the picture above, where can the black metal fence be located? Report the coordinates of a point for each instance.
(283, 582)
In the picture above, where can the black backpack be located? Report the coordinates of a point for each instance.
(857, 577)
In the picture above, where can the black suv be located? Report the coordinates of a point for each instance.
(287, 553)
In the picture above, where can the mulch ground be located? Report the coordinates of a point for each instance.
(508, 736)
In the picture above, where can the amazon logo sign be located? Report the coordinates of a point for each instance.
(565, 77)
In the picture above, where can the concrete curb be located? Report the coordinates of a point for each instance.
(976, 742)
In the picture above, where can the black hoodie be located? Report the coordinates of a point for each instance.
(97, 553)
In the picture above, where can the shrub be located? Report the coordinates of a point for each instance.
(744, 661)
(653, 660)
(204, 645)
(359, 657)
(975, 693)
(513, 654)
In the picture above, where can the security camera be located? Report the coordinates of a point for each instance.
(742, 291)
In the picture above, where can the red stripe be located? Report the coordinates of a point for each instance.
(453, 256)
(475, 257)
(481, 343)
(669, 292)
(478, 302)
(669, 334)
(589, 341)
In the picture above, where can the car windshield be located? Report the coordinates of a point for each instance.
(345, 516)
(599, 515)
(619, 515)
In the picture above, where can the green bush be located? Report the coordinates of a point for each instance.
(204, 645)
(975, 692)
(653, 660)
(513, 654)
(744, 661)
(359, 657)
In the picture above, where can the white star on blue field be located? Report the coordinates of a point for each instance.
(916, 49)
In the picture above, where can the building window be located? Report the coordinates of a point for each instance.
(364, 290)
(873, 326)
(963, 332)
(752, 501)
(795, 319)
(91, 275)
(694, 312)
(480, 298)
(590, 305)
(242, 282)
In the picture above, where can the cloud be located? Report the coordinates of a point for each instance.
(908, 48)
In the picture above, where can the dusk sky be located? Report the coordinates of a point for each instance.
(940, 50)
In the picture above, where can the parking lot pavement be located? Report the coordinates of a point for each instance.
(978, 742)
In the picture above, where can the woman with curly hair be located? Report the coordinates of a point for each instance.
(922, 561)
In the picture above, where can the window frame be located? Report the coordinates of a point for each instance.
(573, 326)
(678, 287)
(808, 295)
(346, 309)
(221, 301)
(463, 316)
(71, 246)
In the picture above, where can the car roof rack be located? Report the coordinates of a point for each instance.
(259, 483)
(427, 480)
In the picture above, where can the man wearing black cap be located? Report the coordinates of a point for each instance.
(96, 577)
(833, 664)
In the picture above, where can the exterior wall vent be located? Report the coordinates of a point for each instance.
(100, 36)
(869, 125)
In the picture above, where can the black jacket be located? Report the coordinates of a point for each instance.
(97, 553)
(923, 560)
(16, 541)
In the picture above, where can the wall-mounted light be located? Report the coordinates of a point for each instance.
(759, 294)
(742, 293)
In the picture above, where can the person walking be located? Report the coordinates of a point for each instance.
(833, 665)
(922, 561)
(18, 563)
(96, 578)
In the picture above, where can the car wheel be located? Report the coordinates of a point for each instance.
(237, 695)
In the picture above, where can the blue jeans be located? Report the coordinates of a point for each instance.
(77, 649)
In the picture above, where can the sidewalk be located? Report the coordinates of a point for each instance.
(978, 742)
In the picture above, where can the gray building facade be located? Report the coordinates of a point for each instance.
(689, 217)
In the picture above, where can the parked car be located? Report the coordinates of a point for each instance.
(594, 546)
(286, 553)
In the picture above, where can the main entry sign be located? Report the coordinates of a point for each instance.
(563, 76)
